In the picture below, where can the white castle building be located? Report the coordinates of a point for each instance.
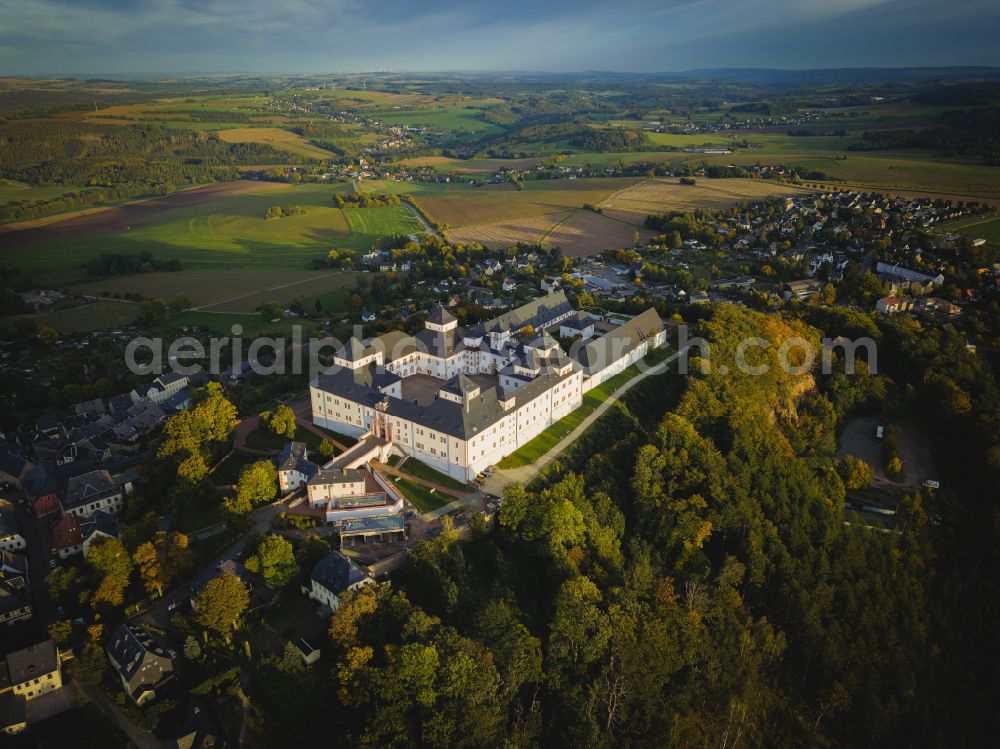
(462, 399)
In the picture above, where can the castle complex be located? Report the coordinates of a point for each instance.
(460, 399)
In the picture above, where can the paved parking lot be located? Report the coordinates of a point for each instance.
(859, 440)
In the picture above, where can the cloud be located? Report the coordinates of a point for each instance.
(329, 35)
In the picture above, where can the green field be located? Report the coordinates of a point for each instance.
(88, 317)
(222, 324)
(17, 191)
(230, 232)
(381, 221)
(455, 119)
(979, 227)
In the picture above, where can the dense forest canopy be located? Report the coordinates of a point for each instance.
(685, 577)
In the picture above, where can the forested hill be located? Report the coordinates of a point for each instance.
(113, 162)
(691, 582)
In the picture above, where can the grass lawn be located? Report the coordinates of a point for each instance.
(341, 438)
(313, 440)
(262, 438)
(229, 471)
(425, 472)
(420, 496)
(548, 439)
(194, 516)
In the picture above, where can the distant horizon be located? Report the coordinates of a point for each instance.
(97, 75)
(118, 37)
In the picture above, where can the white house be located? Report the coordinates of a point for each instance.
(10, 531)
(333, 576)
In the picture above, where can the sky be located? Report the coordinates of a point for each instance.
(121, 37)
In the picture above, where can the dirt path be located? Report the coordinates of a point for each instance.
(243, 430)
(100, 220)
(142, 739)
(421, 218)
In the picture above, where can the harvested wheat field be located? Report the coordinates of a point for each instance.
(588, 233)
(634, 203)
(498, 234)
(492, 203)
(576, 233)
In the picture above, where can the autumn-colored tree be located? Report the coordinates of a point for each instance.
(190, 433)
(61, 631)
(163, 560)
(221, 603)
(111, 559)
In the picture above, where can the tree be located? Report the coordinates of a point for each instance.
(281, 421)
(274, 560)
(90, 664)
(270, 310)
(64, 584)
(239, 510)
(111, 559)
(325, 448)
(192, 649)
(894, 468)
(47, 336)
(179, 303)
(190, 434)
(257, 483)
(163, 560)
(61, 631)
(855, 473)
(221, 604)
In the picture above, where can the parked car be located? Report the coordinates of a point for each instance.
(173, 605)
(52, 564)
(932, 484)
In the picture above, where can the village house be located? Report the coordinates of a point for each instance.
(143, 665)
(294, 467)
(15, 592)
(10, 529)
(334, 575)
(34, 670)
